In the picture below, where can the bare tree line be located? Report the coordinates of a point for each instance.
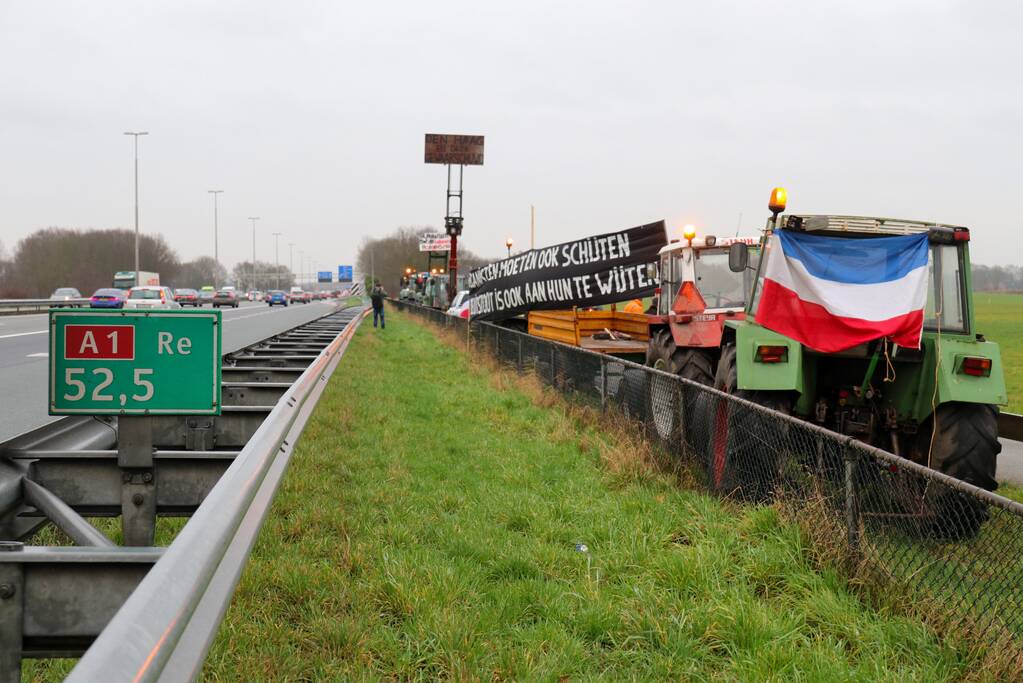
(997, 278)
(388, 257)
(87, 260)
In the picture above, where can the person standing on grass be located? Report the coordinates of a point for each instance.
(377, 295)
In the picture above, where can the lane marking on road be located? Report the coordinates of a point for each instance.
(253, 315)
(44, 354)
(22, 334)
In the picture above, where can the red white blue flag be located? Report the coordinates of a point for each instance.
(832, 293)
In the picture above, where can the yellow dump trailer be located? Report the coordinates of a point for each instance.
(578, 327)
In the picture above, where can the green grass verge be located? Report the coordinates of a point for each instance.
(1000, 319)
(1010, 491)
(428, 529)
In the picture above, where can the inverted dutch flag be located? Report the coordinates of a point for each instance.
(832, 293)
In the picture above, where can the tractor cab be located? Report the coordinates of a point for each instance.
(704, 262)
(698, 290)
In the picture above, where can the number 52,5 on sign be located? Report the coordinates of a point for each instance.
(135, 362)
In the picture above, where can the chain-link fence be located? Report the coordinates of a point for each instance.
(950, 550)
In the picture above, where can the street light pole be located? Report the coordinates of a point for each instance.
(253, 219)
(136, 135)
(291, 258)
(216, 240)
(277, 261)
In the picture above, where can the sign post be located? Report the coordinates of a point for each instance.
(460, 151)
(135, 364)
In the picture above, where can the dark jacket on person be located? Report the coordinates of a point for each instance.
(377, 297)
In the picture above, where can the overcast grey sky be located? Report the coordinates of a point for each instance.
(604, 115)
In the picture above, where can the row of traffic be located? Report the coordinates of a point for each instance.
(158, 296)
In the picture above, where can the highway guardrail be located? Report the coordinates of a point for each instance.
(15, 306)
(150, 613)
(1010, 426)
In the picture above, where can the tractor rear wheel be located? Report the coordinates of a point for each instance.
(965, 446)
(666, 410)
(741, 456)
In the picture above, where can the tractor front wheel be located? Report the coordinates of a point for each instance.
(741, 457)
(696, 364)
(961, 441)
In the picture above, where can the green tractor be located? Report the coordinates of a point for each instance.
(936, 405)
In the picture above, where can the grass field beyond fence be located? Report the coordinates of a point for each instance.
(1000, 318)
(441, 521)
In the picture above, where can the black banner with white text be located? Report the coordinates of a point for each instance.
(586, 272)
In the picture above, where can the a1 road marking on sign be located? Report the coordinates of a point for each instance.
(99, 342)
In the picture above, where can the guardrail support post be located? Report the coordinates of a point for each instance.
(12, 616)
(852, 505)
(138, 484)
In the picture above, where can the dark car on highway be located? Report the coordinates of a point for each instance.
(108, 298)
(66, 294)
(225, 297)
(187, 297)
(276, 297)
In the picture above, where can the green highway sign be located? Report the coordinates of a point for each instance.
(133, 362)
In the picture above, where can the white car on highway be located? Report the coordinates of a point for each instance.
(151, 296)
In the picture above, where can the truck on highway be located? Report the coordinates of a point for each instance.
(125, 279)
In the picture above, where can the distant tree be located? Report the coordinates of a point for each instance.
(86, 259)
(266, 276)
(388, 257)
(203, 271)
(997, 278)
(6, 276)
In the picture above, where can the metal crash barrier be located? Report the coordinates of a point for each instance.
(150, 613)
(16, 306)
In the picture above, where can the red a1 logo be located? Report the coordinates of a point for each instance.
(99, 342)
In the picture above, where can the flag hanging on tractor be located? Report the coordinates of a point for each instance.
(832, 293)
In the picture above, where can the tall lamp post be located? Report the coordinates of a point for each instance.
(291, 258)
(277, 261)
(216, 240)
(508, 243)
(253, 219)
(136, 135)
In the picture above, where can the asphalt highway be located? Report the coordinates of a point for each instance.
(24, 342)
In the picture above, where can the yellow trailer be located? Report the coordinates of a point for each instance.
(578, 327)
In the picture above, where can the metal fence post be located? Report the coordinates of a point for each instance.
(603, 383)
(852, 504)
